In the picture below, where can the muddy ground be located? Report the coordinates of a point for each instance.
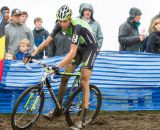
(140, 120)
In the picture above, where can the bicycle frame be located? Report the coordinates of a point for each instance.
(47, 70)
(49, 87)
(30, 103)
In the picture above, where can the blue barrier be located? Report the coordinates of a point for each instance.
(128, 81)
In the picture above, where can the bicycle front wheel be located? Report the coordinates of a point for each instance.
(73, 112)
(27, 108)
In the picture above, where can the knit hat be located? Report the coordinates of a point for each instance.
(134, 12)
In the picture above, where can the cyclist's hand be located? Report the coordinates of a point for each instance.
(55, 69)
(28, 59)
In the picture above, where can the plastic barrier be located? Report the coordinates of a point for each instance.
(127, 81)
(1, 68)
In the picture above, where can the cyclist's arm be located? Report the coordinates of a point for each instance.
(69, 56)
(42, 46)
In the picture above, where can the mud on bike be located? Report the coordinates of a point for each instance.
(29, 105)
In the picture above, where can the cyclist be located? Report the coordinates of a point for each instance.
(83, 49)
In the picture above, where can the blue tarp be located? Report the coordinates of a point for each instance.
(128, 81)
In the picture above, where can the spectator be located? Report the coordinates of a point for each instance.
(153, 41)
(60, 45)
(24, 46)
(24, 17)
(129, 37)
(86, 13)
(39, 34)
(16, 31)
(9, 56)
(7, 14)
(151, 23)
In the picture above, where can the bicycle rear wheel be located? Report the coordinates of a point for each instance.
(73, 112)
(27, 108)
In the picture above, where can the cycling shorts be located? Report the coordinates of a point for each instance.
(86, 56)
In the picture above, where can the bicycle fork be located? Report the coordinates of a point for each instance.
(33, 107)
(28, 101)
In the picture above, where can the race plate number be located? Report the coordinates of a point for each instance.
(74, 38)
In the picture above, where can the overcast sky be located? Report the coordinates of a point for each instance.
(109, 13)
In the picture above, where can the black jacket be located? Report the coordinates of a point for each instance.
(153, 43)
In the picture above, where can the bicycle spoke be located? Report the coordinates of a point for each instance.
(27, 109)
(75, 113)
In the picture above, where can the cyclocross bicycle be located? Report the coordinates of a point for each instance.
(29, 105)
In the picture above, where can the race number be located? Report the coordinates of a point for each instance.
(75, 38)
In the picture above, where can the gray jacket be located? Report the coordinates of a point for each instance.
(93, 23)
(129, 37)
(60, 45)
(14, 34)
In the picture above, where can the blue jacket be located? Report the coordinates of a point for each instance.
(20, 55)
(38, 36)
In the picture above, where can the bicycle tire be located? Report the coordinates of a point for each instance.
(27, 106)
(72, 116)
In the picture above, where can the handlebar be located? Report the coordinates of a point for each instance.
(48, 68)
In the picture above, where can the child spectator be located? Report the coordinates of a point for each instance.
(24, 47)
(24, 17)
(9, 56)
(39, 34)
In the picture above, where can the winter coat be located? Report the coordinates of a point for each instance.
(39, 36)
(93, 23)
(60, 45)
(14, 34)
(129, 36)
(20, 56)
(153, 43)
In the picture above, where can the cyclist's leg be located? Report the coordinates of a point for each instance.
(61, 92)
(89, 57)
(64, 81)
(70, 69)
(84, 83)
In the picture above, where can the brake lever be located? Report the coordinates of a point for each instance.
(52, 78)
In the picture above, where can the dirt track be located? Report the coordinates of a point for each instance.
(146, 120)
